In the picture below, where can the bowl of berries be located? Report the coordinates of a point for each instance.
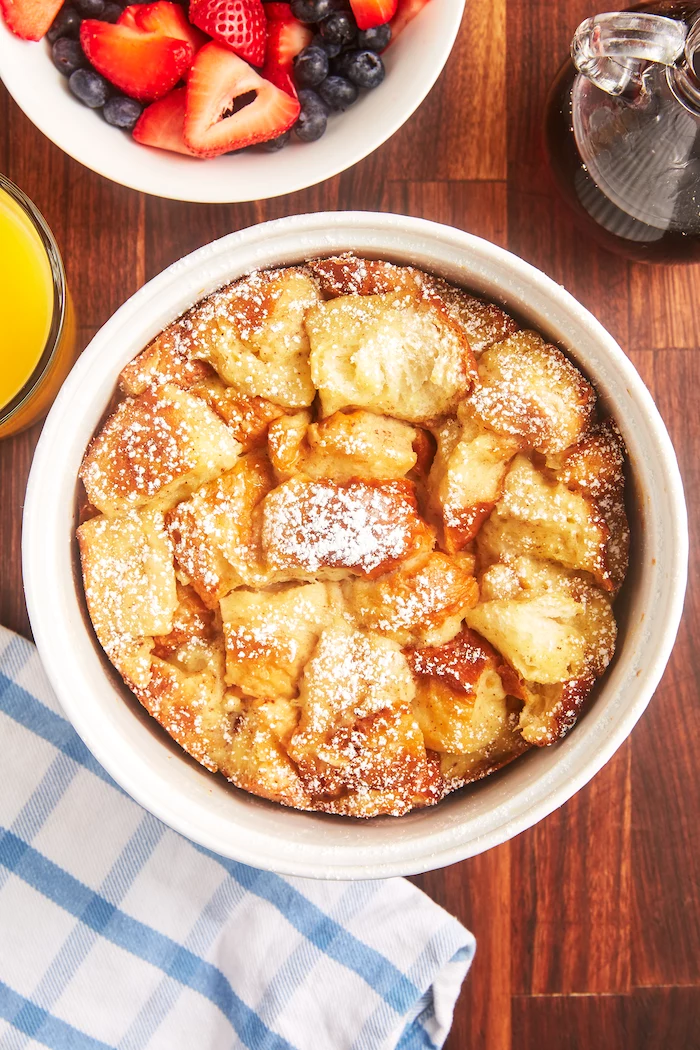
(230, 82)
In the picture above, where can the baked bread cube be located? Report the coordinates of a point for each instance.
(165, 360)
(483, 323)
(154, 450)
(270, 636)
(130, 589)
(286, 443)
(528, 389)
(549, 624)
(194, 639)
(460, 702)
(457, 770)
(550, 711)
(349, 275)
(190, 706)
(466, 478)
(399, 355)
(360, 527)
(558, 633)
(256, 758)
(253, 333)
(420, 603)
(358, 748)
(594, 467)
(216, 532)
(542, 517)
(343, 446)
(247, 417)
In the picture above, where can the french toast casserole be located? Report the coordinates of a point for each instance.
(352, 536)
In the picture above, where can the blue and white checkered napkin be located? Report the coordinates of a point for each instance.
(118, 934)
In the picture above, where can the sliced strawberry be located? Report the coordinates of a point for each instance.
(143, 65)
(405, 13)
(163, 18)
(284, 42)
(128, 17)
(280, 78)
(371, 13)
(29, 19)
(162, 124)
(275, 12)
(238, 24)
(213, 124)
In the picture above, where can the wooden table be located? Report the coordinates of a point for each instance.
(588, 926)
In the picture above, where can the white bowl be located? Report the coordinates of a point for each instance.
(413, 62)
(204, 807)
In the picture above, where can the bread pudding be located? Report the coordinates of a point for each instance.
(352, 536)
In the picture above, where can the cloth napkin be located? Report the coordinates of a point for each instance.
(116, 933)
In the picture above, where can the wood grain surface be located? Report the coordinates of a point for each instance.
(588, 926)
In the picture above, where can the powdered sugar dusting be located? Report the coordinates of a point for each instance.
(270, 583)
(358, 526)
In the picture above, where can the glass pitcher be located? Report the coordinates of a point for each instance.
(622, 130)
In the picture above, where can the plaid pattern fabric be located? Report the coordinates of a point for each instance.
(118, 934)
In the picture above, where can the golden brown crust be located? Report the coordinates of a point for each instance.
(363, 527)
(425, 597)
(530, 391)
(166, 360)
(466, 478)
(154, 449)
(216, 532)
(401, 354)
(361, 601)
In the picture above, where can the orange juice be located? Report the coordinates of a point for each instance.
(26, 298)
(37, 332)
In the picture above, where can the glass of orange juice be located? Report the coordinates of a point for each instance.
(37, 325)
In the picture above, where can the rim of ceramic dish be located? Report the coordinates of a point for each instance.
(588, 748)
(58, 313)
(191, 186)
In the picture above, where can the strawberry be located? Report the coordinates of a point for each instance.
(29, 19)
(284, 42)
(371, 13)
(218, 79)
(405, 13)
(143, 65)
(163, 18)
(238, 24)
(280, 78)
(275, 12)
(161, 124)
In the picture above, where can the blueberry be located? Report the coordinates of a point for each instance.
(311, 10)
(311, 66)
(110, 11)
(309, 99)
(67, 55)
(339, 63)
(338, 92)
(313, 117)
(272, 145)
(91, 88)
(338, 28)
(89, 8)
(364, 68)
(66, 23)
(374, 39)
(331, 49)
(122, 112)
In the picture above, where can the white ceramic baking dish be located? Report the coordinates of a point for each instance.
(139, 755)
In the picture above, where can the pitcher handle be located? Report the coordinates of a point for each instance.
(612, 49)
